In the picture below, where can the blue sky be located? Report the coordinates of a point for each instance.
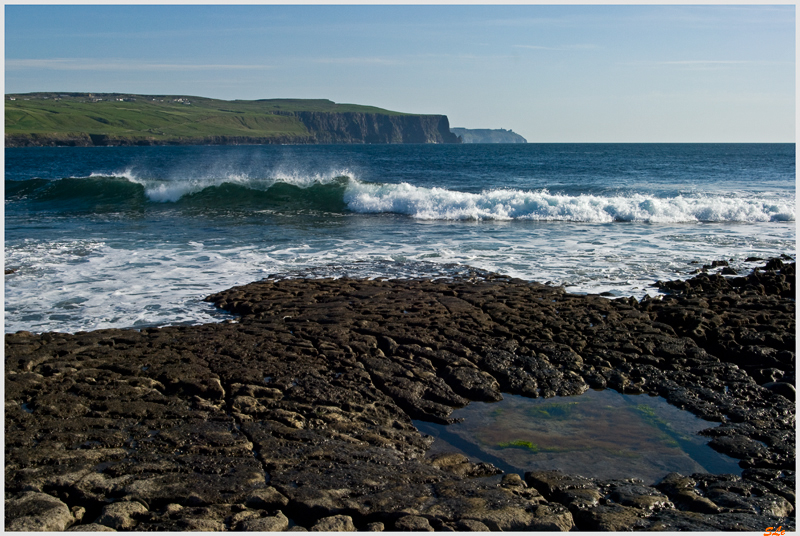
(551, 73)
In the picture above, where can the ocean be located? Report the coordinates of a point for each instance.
(133, 237)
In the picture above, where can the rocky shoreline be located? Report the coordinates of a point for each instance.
(298, 416)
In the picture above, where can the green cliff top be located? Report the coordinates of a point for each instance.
(129, 116)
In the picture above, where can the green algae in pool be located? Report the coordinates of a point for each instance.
(601, 434)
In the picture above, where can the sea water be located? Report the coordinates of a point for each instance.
(601, 434)
(138, 236)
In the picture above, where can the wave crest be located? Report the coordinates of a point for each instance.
(340, 191)
(443, 204)
(173, 190)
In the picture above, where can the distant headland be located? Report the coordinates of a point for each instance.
(113, 119)
(485, 135)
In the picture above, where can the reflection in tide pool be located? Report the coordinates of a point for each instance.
(601, 434)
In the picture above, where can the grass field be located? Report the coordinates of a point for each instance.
(161, 117)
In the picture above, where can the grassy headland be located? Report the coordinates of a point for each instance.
(47, 118)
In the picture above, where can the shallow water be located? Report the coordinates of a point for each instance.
(600, 434)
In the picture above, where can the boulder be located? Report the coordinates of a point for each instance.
(37, 512)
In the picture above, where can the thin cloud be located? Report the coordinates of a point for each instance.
(691, 63)
(702, 62)
(357, 61)
(403, 60)
(121, 65)
(559, 48)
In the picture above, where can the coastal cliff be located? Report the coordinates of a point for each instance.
(86, 120)
(486, 135)
(354, 127)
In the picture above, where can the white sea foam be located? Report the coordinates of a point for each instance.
(500, 204)
(443, 204)
(72, 285)
(126, 173)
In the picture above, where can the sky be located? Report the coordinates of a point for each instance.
(552, 73)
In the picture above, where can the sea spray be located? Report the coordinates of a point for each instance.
(174, 189)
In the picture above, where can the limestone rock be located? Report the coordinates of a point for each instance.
(471, 525)
(413, 524)
(33, 511)
(121, 515)
(266, 499)
(201, 525)
(552, 517)
(610, 518)
(90, 527)
(638, 496)
(276, 523)
(337, 523)
(306, 405)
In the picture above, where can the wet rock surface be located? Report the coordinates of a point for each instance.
(299, 415)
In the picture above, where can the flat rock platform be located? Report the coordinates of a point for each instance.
(298, 415)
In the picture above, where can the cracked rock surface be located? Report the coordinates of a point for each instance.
(299, 415)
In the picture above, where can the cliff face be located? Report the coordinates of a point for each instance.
(77, 139)
(356, 127)
(323, 127)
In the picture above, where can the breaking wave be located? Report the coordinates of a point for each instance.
(339, 191)
(443, 204)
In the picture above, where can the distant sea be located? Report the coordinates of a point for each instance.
(137, 236)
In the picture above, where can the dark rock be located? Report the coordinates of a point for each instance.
(739, 446)
(413, 524)
(774, 264)
(553, 483)
(304, 406)
(610, 518)
(681, 491)
(677, 520)
(473, 383)
(470, 525)
(637, 496)
(512, 480)
(784, 389)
